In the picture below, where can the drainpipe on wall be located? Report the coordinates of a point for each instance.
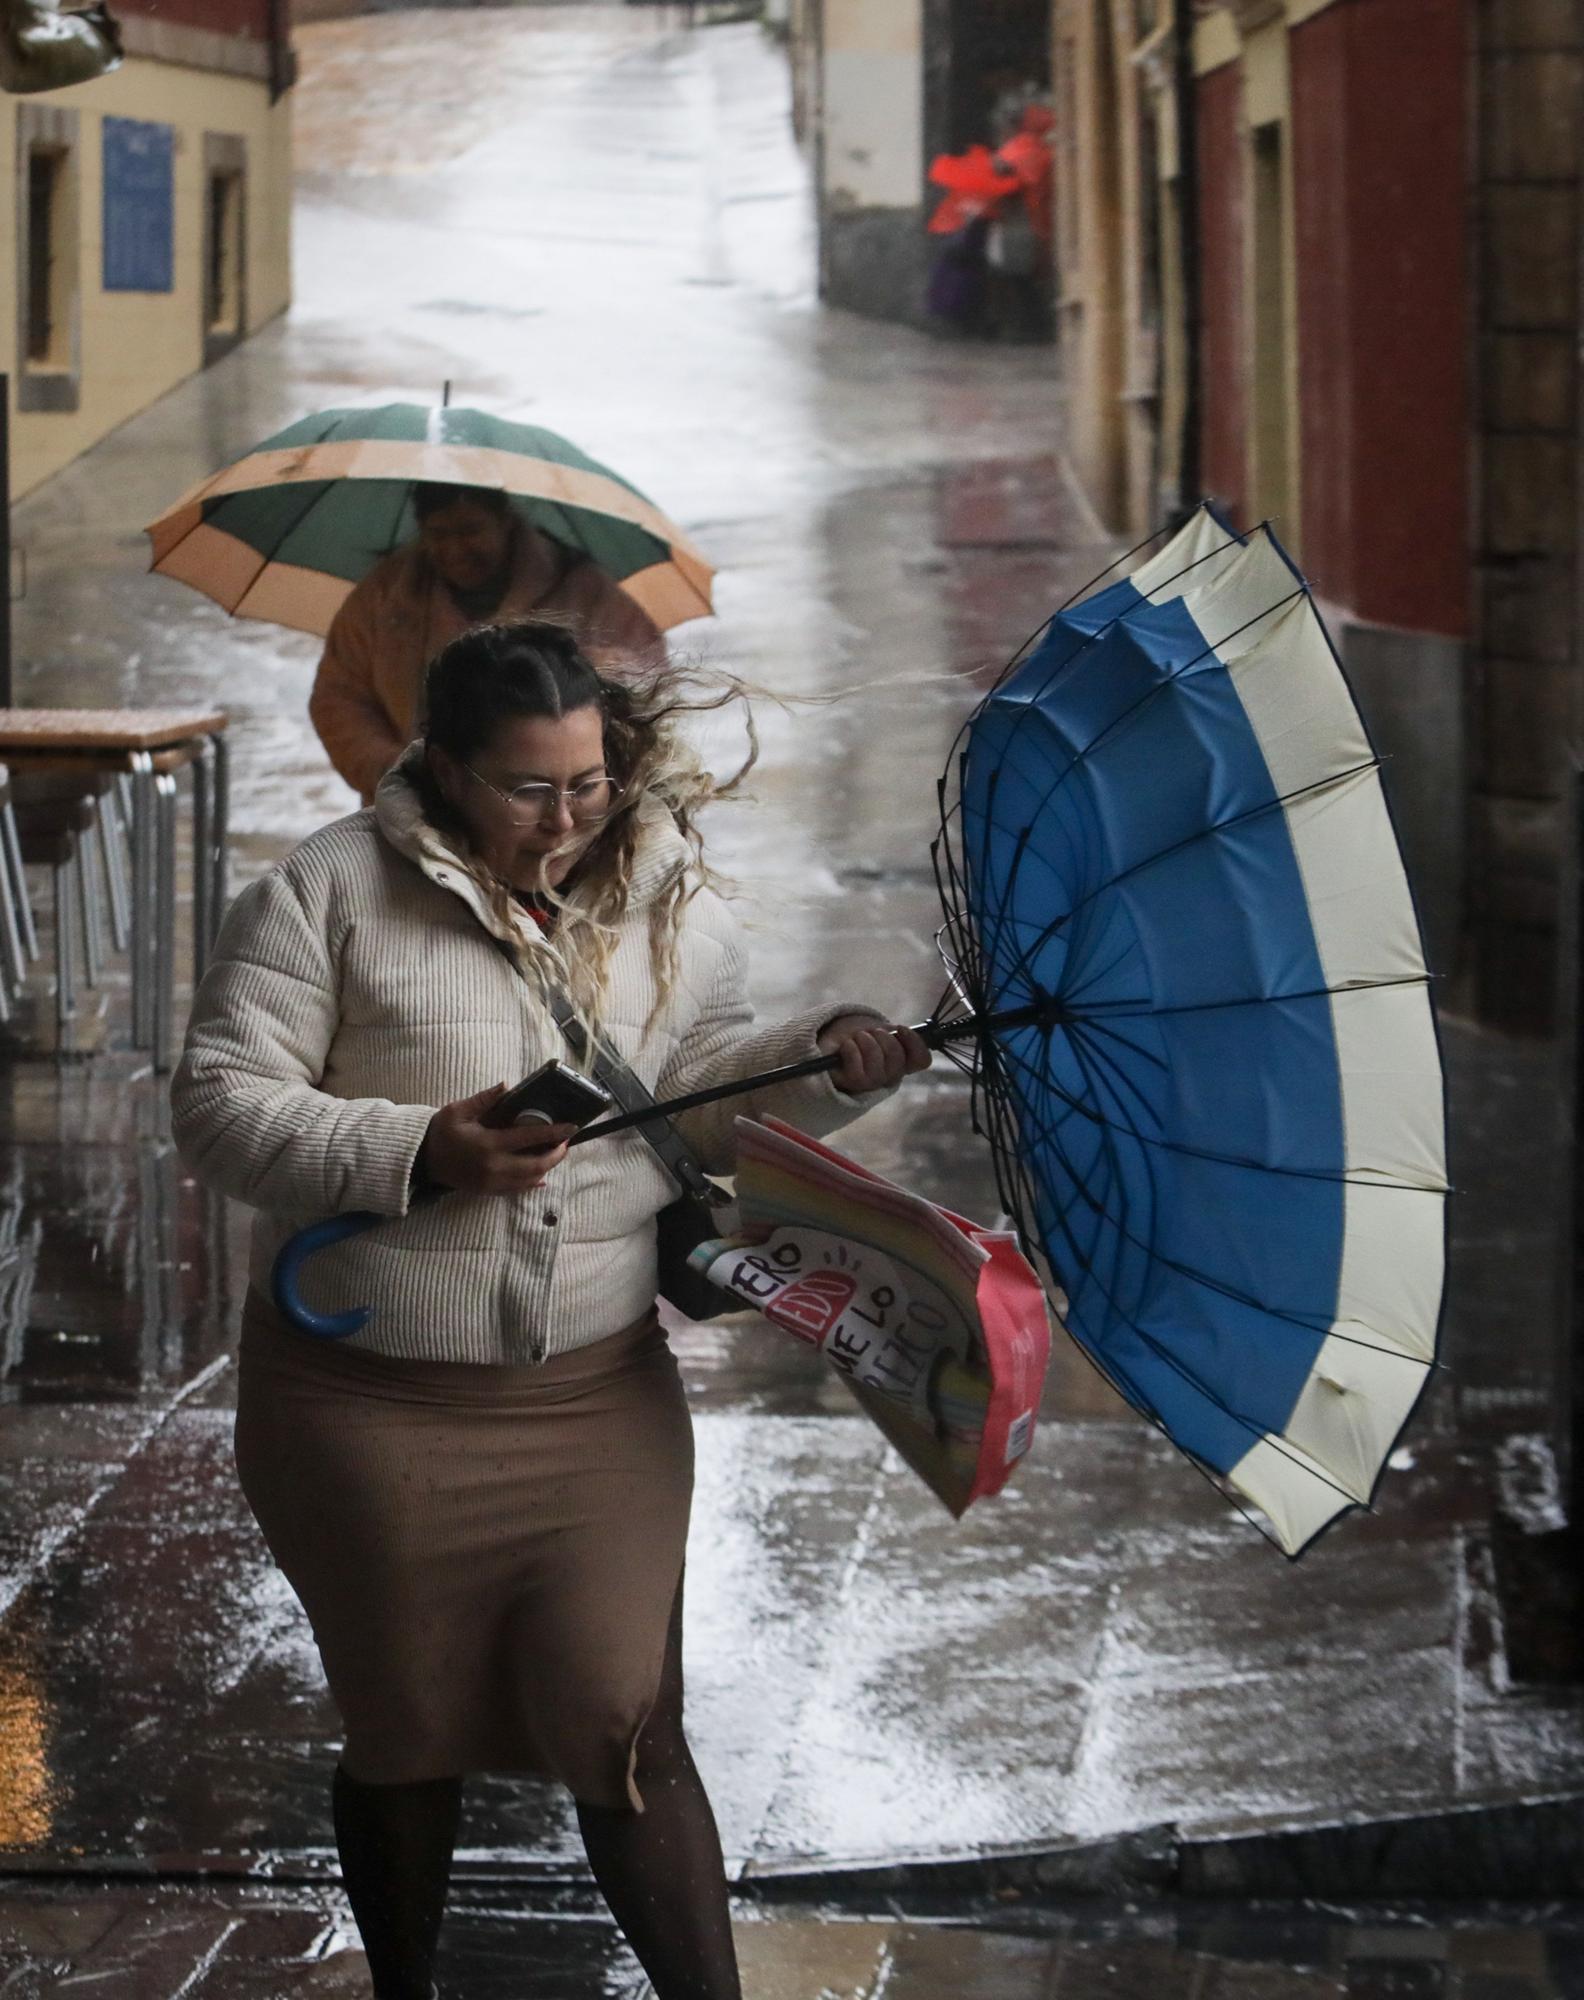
(1569, 1446)
(1185, 90)
(6, 687)
(283, 57)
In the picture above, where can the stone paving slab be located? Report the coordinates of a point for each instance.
(235, 1943)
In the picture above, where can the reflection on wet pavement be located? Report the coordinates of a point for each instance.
(114, 1265)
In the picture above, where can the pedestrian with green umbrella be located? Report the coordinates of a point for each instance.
(393, 530)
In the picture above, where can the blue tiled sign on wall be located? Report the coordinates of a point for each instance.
(139, 206)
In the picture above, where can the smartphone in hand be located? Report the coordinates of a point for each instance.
(556, 1094)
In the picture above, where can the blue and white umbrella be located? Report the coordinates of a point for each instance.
(1165, 839)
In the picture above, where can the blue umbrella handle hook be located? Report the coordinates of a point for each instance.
(287, 1271)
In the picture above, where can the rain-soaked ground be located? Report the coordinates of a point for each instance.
(1105, 1665)
(257, 1942)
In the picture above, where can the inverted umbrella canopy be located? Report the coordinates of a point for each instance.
(1225, 1130)
(284, 533)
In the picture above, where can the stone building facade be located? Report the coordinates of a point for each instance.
(1526, 692)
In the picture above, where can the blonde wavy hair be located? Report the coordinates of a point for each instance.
(535, 668)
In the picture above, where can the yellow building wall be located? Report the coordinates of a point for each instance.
(874, 103)
(137, 346)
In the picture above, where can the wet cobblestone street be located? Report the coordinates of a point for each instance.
(1104, 1680)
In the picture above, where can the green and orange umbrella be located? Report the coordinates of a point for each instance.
(284, 533)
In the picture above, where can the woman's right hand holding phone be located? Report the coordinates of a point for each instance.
(460, 1151)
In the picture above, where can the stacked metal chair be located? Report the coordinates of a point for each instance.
(80, 835)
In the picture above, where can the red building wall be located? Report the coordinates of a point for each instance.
(1380, 215)
(1223, 365)
(221, 17)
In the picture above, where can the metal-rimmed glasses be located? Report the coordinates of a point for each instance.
(593, 799)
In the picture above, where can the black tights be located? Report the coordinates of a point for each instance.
(395, 1843)
(660, 1870)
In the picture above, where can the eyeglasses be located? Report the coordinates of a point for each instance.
(591, 800)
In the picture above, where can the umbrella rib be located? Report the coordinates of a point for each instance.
(1145, 603)
(1136, 1397)
(1283, 1315)
(1264, 810)
(1343, 1178)
(1118, 1176)
(1101, 1013)
(318, 492)
(1089, 639)
(1130, 716)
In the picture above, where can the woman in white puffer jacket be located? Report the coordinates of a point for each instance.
(482, 1497)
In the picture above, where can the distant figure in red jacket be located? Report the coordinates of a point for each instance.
(992, 270)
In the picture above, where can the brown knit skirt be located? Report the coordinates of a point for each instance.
(488, 1556)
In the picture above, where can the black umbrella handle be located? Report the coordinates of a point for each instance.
(936, 1034)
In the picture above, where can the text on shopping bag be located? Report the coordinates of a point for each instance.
(880, 1323)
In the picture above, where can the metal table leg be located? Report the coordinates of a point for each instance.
(113, 864)
(202, 856)
(17, 875)
(144, 914)
(164, 918)
(10, 910)
(89, 907)
(219, 832)
(65, 977)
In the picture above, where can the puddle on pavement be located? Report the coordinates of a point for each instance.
(116, 1269)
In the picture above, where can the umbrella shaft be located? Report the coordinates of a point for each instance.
(936, 1033)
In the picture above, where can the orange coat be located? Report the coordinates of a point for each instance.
(367, 691)
(1028, 155)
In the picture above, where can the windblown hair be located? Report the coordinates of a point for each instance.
(534, 668)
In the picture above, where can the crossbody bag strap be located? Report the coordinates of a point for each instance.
(669, 1147)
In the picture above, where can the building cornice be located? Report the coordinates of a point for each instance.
(1220, 34)
(1249, 16)
(195, 48)
(1216, 41)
